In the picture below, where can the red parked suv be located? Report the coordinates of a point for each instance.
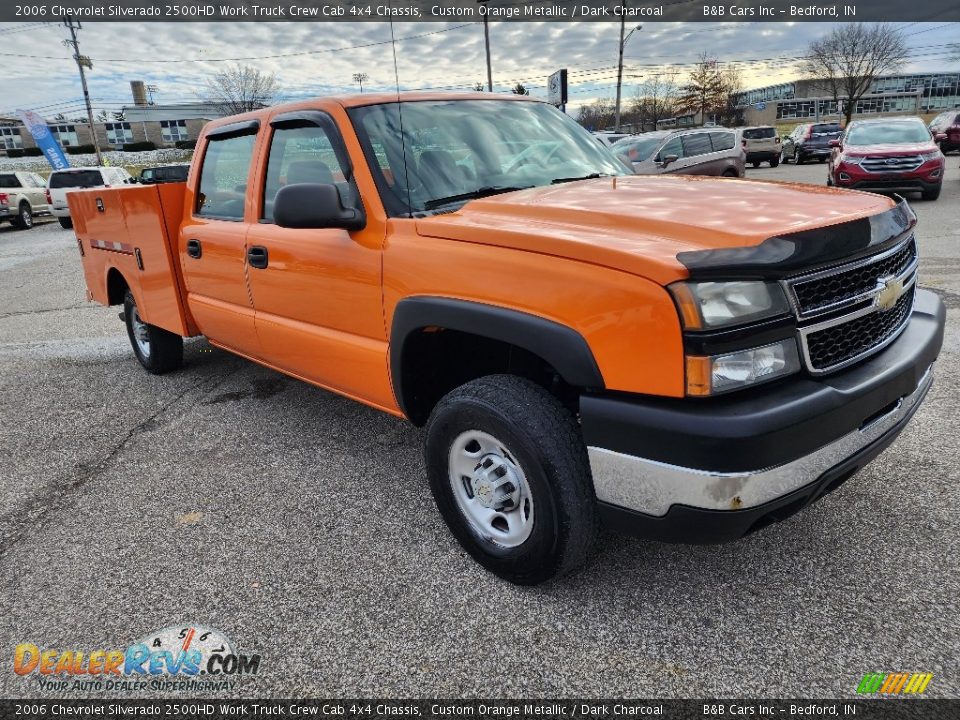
(947, 123)
(887, 155)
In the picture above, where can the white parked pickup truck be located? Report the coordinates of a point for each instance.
(21, 197)
(62, 181)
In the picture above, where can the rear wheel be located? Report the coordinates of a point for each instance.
(823, 159)
(509, 472)
(775, 161)
(783, 157)
(931, 194)
(756, 164)
(158, 350)
(24, 218)
(730, 172)
(797, 157)
(66, 222)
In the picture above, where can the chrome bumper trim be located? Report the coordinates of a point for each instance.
(652, 487)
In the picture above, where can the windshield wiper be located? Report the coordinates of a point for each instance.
(472, 195)
(591, 176)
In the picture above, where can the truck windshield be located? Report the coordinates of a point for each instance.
(76, 178)
(452, 150)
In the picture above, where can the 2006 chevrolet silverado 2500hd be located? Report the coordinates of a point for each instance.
(583, 346)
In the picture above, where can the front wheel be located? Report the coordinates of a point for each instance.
(931, 194)
(66, 222)
(755, 164)
(509, 472)
(797, 158)
(158, 350)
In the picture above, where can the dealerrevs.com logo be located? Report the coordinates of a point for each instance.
(178, 657)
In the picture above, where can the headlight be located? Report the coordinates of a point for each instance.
(708, 305)
(721, 373)
(932, 155)
(852, 159)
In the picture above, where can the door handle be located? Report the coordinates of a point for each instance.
(193, 248)
(257, 256)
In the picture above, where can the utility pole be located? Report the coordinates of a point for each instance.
(81, 63)
(486, 41)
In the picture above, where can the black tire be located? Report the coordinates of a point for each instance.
(730, 172)
(165, 349)
(755, 164)
(66, 222)
(822, 160)
(544, 441)
(798, 158)
(775, 162)
(783, 157)
(829, 181)
(931, 194)
(24, 218)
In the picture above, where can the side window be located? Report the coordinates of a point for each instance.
(722, 140)
(696, 144)
(674, 147)
(223, 177)
(299, 155)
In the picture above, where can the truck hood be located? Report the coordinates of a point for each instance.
(639, 224)
(889, 149)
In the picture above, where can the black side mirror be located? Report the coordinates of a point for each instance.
(315, 205)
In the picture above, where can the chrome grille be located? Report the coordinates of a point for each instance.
(823, 292)
(854, 310)
(898, 163)
(835, 346)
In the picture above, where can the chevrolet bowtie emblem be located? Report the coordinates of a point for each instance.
(890, 291)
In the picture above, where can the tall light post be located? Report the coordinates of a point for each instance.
(623, 44)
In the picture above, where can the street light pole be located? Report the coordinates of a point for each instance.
(623, 44)
(486, 42)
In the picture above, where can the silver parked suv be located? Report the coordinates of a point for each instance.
(705, 151)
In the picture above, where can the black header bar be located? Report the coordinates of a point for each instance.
(634, 11)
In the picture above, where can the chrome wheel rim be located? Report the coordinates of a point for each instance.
(141, 335)
(490, 489)
(26, 218)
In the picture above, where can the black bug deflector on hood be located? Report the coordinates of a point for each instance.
(787, 254)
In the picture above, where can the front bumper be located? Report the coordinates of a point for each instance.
(716, 469)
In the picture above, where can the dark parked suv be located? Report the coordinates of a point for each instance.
(947, 123)
(810, 140)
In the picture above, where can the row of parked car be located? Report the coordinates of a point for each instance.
(24, 195)
(883, 155)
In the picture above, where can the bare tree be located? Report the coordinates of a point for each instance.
(479, 87)
(240, 88)
(851, 57)
(360, 77)
(732, 86)
(656, 99)
(705, 92)
(598, 115)
(519, 89)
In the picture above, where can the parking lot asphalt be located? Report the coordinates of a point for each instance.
(300, 524)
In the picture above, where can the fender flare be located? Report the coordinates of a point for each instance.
(563, 347)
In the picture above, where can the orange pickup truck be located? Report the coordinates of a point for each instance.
(584, 346)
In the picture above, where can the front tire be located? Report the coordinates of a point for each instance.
(66, 222)
(797, 158)
(24, 218)
(509, 472)
(158, 350)
(931, 194)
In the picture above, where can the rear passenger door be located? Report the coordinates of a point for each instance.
(212, 240)
(697, 155)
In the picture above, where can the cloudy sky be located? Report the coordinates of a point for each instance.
(321, 58)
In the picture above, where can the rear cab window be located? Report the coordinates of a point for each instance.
(9, 180)
(76, 179)
(223, 177)
(759, 133)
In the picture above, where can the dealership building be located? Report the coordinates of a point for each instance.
(143, 121)
(916, 94)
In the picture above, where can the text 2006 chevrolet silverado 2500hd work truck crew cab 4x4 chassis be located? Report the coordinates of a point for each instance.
(583, 346)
